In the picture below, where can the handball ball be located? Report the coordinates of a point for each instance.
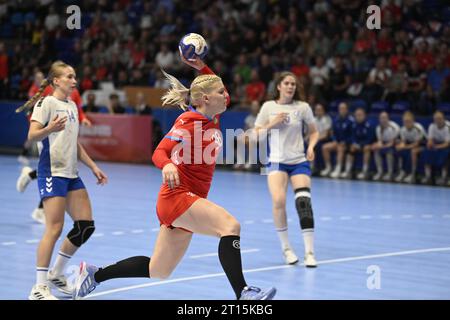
(193, 46)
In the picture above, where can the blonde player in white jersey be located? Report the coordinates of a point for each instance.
(408, 149)
(55, 122)
(289, 161)
(387, 133)
(436, 154)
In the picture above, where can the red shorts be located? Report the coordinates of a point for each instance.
(172, 203)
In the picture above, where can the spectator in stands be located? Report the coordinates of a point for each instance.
(436, 79)
(377, 81)
(397, 87)
(165, 58)
(417, 83)
(114, 104)
(342, 134)
(238, 94)
(266, 70)
(4, 71)
(436, 154)
(410, 145)
(340, 79)
(142, 108)
(243, 69)
(387, 133)
(363, 135)
(161, 81)
(345, 44)
(248, 140)
(320, 75)
(90, 105)
(256, 89)
(324, 125)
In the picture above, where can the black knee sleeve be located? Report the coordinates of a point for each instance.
(82, 230)
(304, 209)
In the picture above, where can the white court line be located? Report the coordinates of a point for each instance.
(118, 233)
(407, 216)
(32, 241)
(427, 216)
(137, 231)
(215, 275)
(97, 235)
(365, 217)
(155, 229)
(325, 218)
(267, 221)
(9, 243)
(386, 216)
(249, 222)
(215, 254)
(446, 216)
(345, 218)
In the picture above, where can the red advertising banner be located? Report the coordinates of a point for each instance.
(121, 138)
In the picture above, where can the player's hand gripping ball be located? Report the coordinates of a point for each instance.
(193, 46)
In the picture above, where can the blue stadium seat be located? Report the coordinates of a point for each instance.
(17, 19)
(103, 109)
(358, 103)
(444, 107)
(400, 106)
(129, 110)
(379, 106)
(333, 106)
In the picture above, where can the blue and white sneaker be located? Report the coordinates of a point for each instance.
(254, 293)
(85, 283)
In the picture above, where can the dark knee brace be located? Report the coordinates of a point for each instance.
(82, 230)
(304, 209)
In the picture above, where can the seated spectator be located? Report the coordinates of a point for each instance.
(238, 94)
(248, 141)
(435, 155)
(412, 138)
(256, 89)
(397, 87)
(386, 133)
(362, 138)
(90, 106)
(324, 125)
(436, 79)
(320, 75)
(114, 105)
(342, 134)
(417, 83)
(377, 81)
(340, 79)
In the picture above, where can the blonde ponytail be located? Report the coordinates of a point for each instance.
(30, 103)
(177, 95)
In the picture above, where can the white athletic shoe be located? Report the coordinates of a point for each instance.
(60, 283)
(289, 256)
(362, 175)
(400, 176)
(377, 177)
(345, 175)
(41, 292)
(38, 215)
(410, 178)
(425, 180)
(387, 177)
(440, 181)
(325, 172)
(24, 179)
(310, 260)
(23, 160)
(335, 174)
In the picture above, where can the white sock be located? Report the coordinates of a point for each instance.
(41, 275)
(60, 263)
(284, 239)
(308, 238)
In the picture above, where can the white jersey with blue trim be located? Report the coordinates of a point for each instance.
(439, 135)
(415, 134)
(286, 143)
(324, 123)
(389, 133)
(58, 156)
